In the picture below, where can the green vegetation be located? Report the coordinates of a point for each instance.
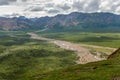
(102, 70)
(102, 54)
(100, 39)
(22, 58)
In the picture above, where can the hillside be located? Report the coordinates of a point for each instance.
(103, 70)
(14, 23)
(75, 21)
(22, 57)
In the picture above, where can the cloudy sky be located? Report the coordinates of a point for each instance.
(38, 8)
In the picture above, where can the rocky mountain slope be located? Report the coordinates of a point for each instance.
(83, 21)
(14, 23)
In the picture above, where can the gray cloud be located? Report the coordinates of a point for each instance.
(6, 2)
(86, 6)
(110, 6)
(33, 8)
(49, 5)
(53, 11)
(64, 7)
(23, 0)
(37, 9)
(93, 6)
(78, 5)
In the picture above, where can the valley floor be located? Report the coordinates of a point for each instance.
(32, 57)
(86, 53)
(21, 57)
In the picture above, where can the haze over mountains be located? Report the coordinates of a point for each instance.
(75, 20)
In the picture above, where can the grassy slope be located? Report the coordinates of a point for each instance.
(100, 39)
(36, 60)
(22, 58)
(103, 70)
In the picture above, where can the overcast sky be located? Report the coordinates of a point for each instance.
(38, 8)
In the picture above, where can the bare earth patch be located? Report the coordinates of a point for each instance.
(82, 50)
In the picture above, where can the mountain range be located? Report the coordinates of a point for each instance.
(72, 21)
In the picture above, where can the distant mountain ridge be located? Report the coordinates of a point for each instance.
(81, 21)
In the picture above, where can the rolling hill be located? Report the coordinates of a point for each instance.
(102, 70)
